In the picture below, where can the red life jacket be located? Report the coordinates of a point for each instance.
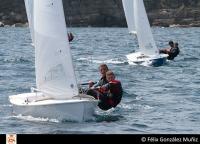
(116, 92)
(110, 97)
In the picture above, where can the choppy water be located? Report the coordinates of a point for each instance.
(162, 99)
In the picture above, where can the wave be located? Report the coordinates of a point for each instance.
(17, 60)
(6, 105)
(135, 107)
(109, 61)
(107, 118)
(35, 119)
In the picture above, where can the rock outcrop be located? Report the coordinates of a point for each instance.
(109, 13)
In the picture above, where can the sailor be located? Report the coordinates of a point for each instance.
(70, 36)
(103, 68)
(109, 94)
(173, 52)
(167, 50)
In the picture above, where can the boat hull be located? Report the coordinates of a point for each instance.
(150, 60)
(36, 105)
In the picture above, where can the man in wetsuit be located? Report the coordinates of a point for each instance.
(103, 68)
(70, 36)
(173, 52)
(167, 50)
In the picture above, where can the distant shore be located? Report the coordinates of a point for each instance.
(172, 25)
(106, 13)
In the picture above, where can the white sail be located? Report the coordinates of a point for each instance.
(53, 63)
(29, 12)
(145, 38)
(128, 6)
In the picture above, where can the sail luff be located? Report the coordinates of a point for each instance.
(144, 34)
(53, 61)
(128, 6)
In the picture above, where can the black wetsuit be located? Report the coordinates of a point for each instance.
(70, 37)
(173, 53)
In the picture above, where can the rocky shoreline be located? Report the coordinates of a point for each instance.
(109, 13)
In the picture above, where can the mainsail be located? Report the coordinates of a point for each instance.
(129, 14)
(145, 38)
(55, 74)
(29, 12)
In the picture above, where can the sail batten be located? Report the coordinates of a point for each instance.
(54, 68)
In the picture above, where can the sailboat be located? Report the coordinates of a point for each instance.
(56, 94)
(138, 25)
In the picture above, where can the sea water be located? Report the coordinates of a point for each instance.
(163, 99)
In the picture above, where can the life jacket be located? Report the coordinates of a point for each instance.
(115, 93)
(110, 96)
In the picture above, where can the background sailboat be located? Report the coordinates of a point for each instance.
(57, 93)
(138, 24)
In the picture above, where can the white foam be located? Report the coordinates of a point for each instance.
(138, 98)
(131, 63)
(135, 106)
(111, 61)
(7, 105)
(36, 119)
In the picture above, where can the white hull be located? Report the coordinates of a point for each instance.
(37, 105)
(139, 58)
